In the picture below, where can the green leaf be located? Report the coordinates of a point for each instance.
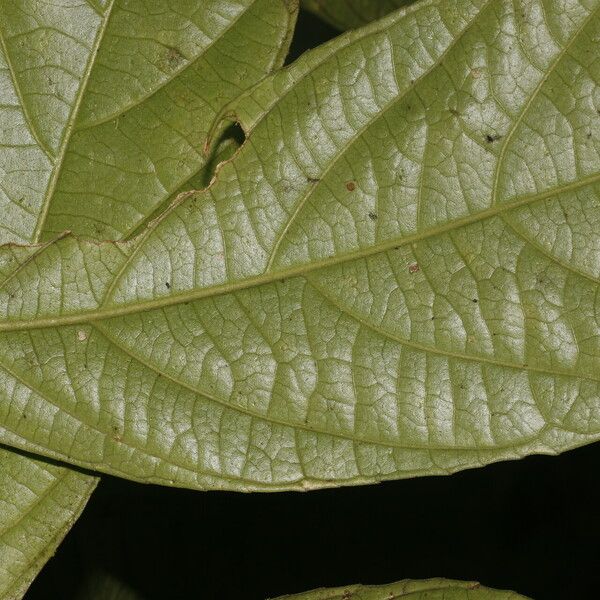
(397, 275)
(104, 109)
(350, 14)
(105, 104)
(102, 586)
(38, 504)
(427, 589)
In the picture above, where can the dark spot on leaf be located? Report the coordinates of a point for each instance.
(373, 216)
(454, 112)
(351, 186)
(313, 179)
(413, 268)
(475, 300)
(168, 285)
(491, 138)
(589, 135)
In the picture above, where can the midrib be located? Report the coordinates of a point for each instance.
(298, 270)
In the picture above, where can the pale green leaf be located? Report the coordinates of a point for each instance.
(38, 504)
(105, 106)
(104, 109)
(350, 14)
(397, 275)
(427, 589)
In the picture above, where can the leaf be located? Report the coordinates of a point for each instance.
(350, 14)
(427, 589)
(105, 104)
(103, 586)
(396, 276)
(109, 102)
(38, 504)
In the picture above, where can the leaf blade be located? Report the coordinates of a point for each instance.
(349, 14)
(410, 344)
(122, 95)
(40, 503)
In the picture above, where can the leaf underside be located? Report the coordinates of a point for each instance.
(105, 106)
(102, 586)
(427, 589)
(108, 102)
(38, 504)
(397, 275)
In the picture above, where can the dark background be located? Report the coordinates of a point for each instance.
(529, 525)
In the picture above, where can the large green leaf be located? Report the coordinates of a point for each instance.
(104, 109)
(38, 504)
(349, 14)
(397, 275)
(427, 589)
(105, 104)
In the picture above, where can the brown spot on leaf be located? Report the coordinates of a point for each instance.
(373, 216)
(351, 186)
(413, 268)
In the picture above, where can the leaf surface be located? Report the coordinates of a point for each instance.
(105, 105)
(39, 502)
(104, 109)
(397, 275)
(350, 14)
(427, 589)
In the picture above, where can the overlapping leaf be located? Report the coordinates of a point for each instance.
(38, 504)
(349, 14)
(105, 106)
(396, 276)
(66, 161)
(427, 589)
(105, 587)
